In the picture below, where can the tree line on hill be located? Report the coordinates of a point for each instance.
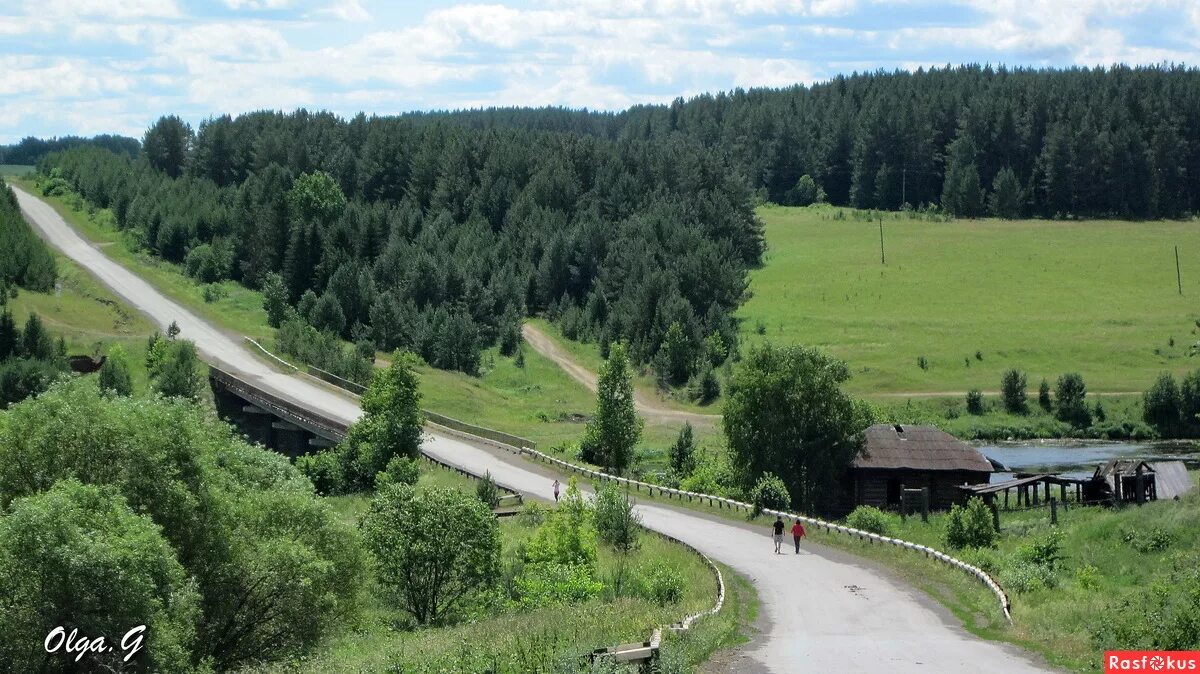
(30, 150)
(1103, 142)
(439, 238)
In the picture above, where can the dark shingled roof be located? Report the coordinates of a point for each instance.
(918, 448)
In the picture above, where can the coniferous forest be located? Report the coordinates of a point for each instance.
(438, 232)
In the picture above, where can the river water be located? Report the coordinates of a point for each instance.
(1079, 458)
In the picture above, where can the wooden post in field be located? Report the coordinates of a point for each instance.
(996, 517)
(1053, 510)
(925, 504)
(1178, 276)
(883, 258)
(1140, 487)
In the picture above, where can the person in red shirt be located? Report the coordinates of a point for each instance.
(797, 534)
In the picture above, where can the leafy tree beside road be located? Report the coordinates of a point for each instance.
(432, 548)
(786, 414)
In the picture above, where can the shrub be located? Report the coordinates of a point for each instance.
(532, 514)
(548, 583)
(769, 493)
(704, 386)
(1012, 391)
(970, 526)
(1042, 550)
(662, 585)
(923, 362)
(569, 536)
(1161, 405)
(682, 450)
(1148, 540)
(1024, 577)
(433, 548)
(975, 402)
(617, 523)
(1071, 393)
(400, 470)
(487, 491)
(114, 374)
(1044, 400)
(1088, 577)
(324, 470)
(872, 519)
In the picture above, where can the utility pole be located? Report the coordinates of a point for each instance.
(882, 258)
(1178, 277)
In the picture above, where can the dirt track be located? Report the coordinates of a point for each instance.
(646, 406)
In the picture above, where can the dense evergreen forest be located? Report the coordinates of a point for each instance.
(440, 238)
(31, 150)
(438, 231)
(1102, 142)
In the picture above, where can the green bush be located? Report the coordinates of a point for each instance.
(532, 514)
(661, 584)
(975, 402)
(769, 493)
(400, 470)
(1024, 577)
(874, 520)
(1042, 550)
(1012, 391)
(547, 583)
(1088, 577)
(970, 526)
(487, 491)
(617, 523)
(1148, 540)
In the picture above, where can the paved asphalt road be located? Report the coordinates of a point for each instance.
(822, 612)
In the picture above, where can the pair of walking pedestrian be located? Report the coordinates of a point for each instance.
(797, 534)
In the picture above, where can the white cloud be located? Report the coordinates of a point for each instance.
(594, 53)
(346, 10)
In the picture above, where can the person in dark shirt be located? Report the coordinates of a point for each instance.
(778, 535)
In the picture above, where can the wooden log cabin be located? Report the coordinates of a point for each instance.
(896, 457)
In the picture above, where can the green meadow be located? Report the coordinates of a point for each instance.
(976, 297)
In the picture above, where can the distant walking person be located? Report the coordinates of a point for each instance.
(778, 536)
(797, 534)
(556, 491)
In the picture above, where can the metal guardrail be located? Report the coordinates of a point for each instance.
(732, 504)
(323, 426)
(439, 419)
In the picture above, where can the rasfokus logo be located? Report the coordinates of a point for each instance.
(1151, 661)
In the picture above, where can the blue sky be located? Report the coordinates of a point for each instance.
(95, 66)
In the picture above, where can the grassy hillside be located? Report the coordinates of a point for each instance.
(1098, 297)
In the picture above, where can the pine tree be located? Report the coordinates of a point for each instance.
(682, 450)
(615, 428)
(10, 336)
(36, 342)
(1006, 200)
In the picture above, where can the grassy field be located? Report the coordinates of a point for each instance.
(1096, 297)
(14, 169)
(89, 317)
(544, 639)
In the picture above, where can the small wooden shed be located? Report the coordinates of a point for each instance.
(1128, 480)
(896, 457)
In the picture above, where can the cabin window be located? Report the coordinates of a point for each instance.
(893, 491)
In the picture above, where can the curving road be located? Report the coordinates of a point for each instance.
(823, 611)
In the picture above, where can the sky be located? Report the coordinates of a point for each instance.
(114, 66)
